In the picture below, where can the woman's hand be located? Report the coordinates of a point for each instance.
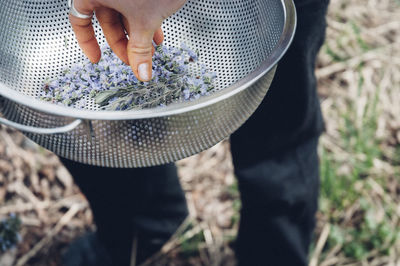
(141, 19)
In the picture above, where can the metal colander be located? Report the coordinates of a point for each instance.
(241, 40)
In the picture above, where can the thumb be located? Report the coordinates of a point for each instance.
(140, 53)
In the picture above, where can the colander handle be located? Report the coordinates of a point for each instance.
(38, 130)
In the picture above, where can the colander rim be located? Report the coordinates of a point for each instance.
(286, 38)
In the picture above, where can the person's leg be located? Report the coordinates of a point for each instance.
(275, 154)
(146, 202)
(279, 201)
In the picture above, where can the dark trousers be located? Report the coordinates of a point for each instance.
(276, 164)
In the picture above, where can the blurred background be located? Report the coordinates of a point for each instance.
(358, 222)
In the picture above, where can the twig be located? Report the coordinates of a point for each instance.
(191, 206)
(134, 250)
(20, 188)
(331, 258)
(320, 244)
(210, 244)
(29, 206)
(203, 257)
(54, 231)
(352, 62)
(207, 234)
(171, 243)
(23, 207)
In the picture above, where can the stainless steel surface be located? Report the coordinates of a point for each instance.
(38, 130)
(241, 40)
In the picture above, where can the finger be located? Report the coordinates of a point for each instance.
(84, 32)
(114, 32)
(140, 49)
(158, 36)
(159, 33)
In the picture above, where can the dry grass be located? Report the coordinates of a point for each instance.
(359, 76)
(35, 186)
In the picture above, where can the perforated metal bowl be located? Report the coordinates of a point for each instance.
(241, 40)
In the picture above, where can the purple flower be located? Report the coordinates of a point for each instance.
(115, 84)
(184, 47)
(186, 94)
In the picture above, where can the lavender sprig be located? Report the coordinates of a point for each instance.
(113, 85)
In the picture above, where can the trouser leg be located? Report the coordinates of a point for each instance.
(146, 202)
(275, 154)
(279, 201)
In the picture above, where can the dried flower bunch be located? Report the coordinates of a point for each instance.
(113, 86)
(9, 235)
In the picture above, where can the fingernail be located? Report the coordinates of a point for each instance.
(144, 71)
